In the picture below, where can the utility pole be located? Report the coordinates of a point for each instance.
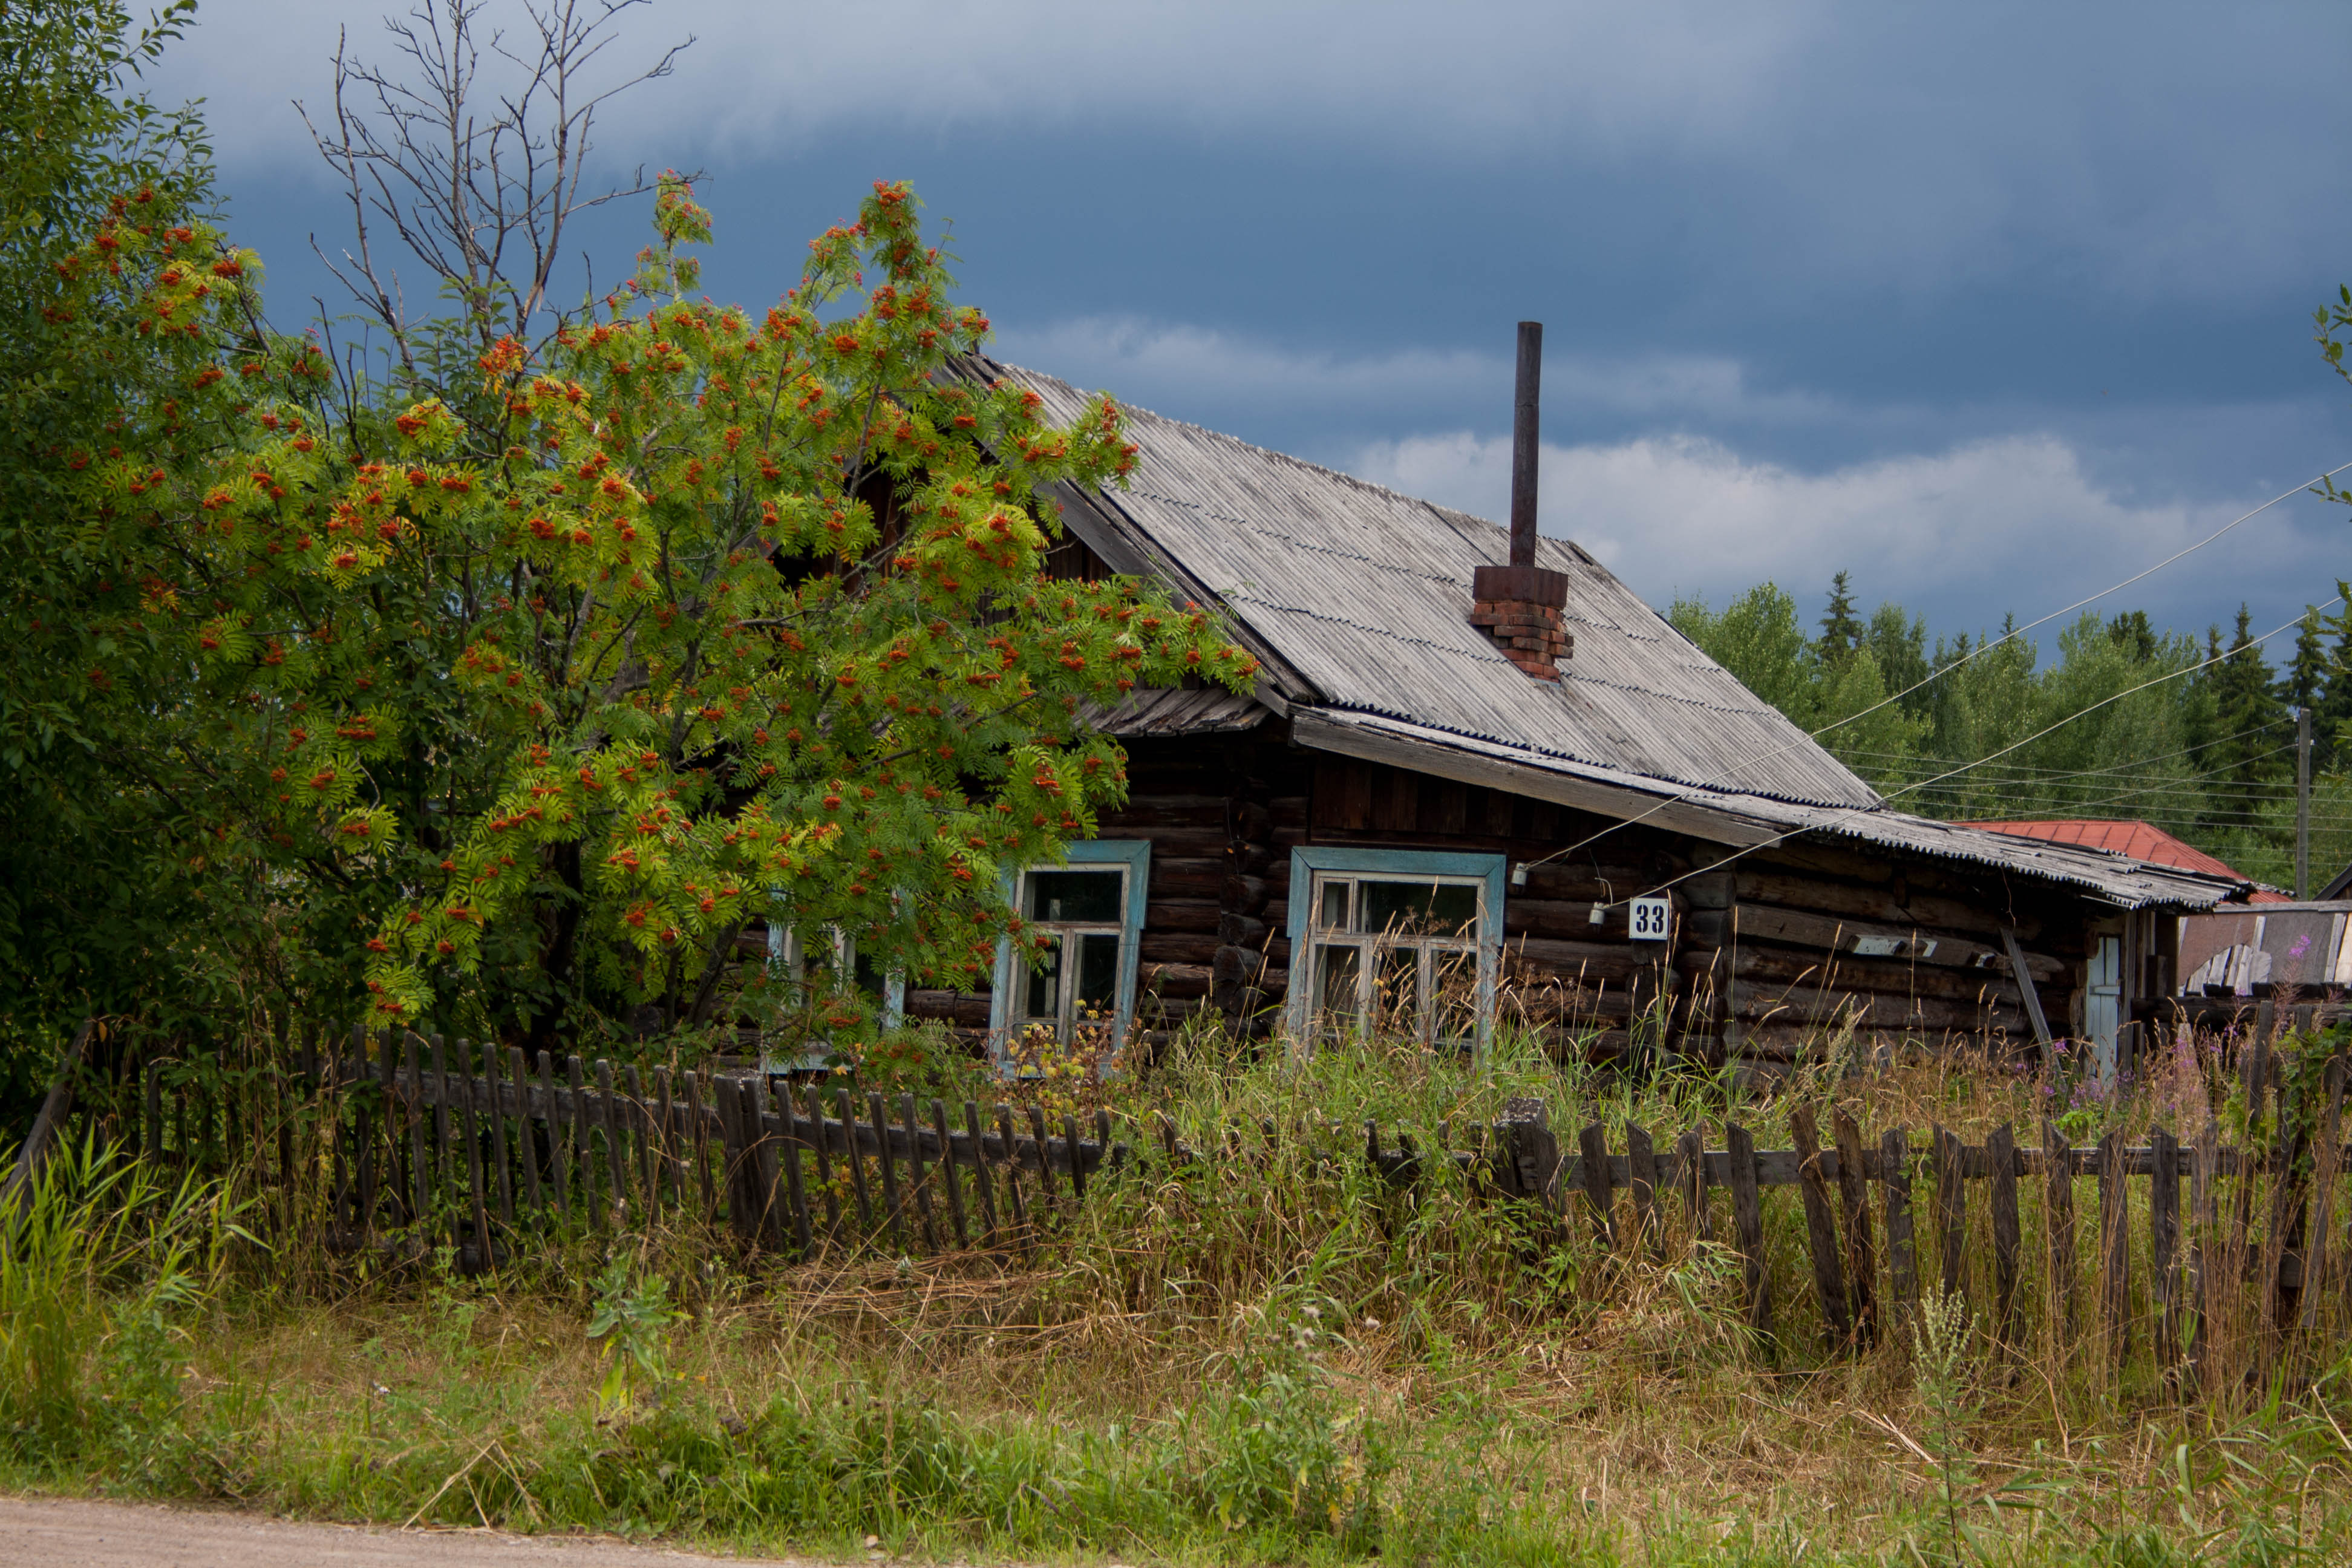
(2302, 803)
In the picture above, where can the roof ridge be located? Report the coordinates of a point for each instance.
(1285, 542)
(1291, 459)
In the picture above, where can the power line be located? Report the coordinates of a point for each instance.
(2169, 784)
(1983, 648)
(1864, 810)
(2093, 598)
(2065, 772)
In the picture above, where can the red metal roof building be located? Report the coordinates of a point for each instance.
(2139, 840)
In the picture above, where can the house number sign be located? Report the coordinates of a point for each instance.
(1647, 919)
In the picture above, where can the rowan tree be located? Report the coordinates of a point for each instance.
(532, 692)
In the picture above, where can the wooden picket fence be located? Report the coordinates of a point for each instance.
(428, 1136)
(482, 1149)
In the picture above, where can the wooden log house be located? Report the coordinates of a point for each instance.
(1478, 784)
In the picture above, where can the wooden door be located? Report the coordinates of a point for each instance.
(2103, 1002)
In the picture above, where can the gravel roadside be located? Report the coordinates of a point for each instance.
(74, 1532)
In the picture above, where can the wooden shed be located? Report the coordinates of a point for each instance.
(1437, 812)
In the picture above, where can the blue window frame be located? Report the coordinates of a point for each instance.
(1091, 908)
(1395, 942)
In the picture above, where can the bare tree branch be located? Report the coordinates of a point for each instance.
(475, 177)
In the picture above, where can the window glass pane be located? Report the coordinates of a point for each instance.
(1098, 991)
(1421, 909)
(1091, 896)
(1045, 985)
(1396, 1001)
(868, 978)
(1455, 993)
(1335, 906)
(1334, 985)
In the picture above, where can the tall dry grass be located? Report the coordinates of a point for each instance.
(1276, 1353)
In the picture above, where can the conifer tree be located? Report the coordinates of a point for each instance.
(2250, 721)
(1841, 630)
(2331, 746)
(2132, 631)
(2305, 679)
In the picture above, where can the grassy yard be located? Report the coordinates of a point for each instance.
(1270, 1357)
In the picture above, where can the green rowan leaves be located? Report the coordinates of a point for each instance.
(739, 617)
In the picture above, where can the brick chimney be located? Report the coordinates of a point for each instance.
(1519, 604)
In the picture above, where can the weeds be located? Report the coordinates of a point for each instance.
(633, 1318)
(98, 1265)
(1268, 1354)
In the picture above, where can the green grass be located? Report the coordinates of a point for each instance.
(1269, 1357)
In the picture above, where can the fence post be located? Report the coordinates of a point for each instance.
(1078, 1166)
(2282, 1245)
(1747, 1216)
(395, 1173)
(470, 1128)
(559, 1161)
(2115, 1246)
(1692, 1147)
(363, 1131)
(152, 1100)
(1600, 1187)
(1902, 1253)
(1527, 1154)
(822, 1153)
(2163, 1241)
(1642, 1178)
(1861, 1261)
(1951, 1204)
(698, 1137)
(947, 1176)
(732, 1182)
(2204, 1226)
(610, 1116)
(526, 1141)
(985, 1182)
(795, 1183)
(2254, 1065)
(1012, 1199)
(502, 1154)
(752, 1092)
(919, 1179)
(2327, 1169)
(2058, 1223)
(637, 1111)
(584, 1144)
(2001, 1154)
(1821, 1229)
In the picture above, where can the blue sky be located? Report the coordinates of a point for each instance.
(1990, 304)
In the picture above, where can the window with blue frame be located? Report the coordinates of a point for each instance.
(1394, 943)
(1080, 991)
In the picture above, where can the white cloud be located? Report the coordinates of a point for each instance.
(1962, 514)
(2013, 522)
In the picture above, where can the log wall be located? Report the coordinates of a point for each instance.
(1768, 953)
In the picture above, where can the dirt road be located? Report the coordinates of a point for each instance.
(65, 1533)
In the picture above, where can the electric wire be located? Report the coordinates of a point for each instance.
(1979, 651)
(2082, 773)
(1864, 810)
(2169, 784)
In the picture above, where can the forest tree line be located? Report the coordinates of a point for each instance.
(2196, 735)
